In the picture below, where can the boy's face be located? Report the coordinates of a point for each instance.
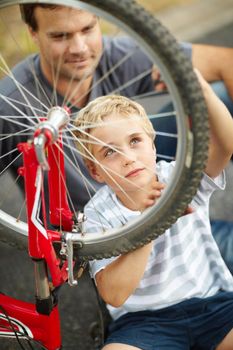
(127, 156)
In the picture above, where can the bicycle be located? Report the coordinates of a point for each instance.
(56, 250)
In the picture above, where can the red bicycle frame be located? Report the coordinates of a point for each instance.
(40, 321)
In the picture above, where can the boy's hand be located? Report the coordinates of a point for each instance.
(154, 193)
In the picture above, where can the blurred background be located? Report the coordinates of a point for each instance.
(202, 21)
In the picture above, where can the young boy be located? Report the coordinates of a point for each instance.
(175, 292)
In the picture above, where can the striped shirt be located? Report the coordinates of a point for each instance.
(185, 261)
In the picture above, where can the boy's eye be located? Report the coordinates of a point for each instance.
(134, 141)
(109, 152)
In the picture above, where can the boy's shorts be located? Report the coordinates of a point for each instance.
(193, 324)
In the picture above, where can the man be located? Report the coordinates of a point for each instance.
(69, 69)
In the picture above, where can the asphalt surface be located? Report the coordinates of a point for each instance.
(80, 311)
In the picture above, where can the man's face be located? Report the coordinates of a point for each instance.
(126, 155)
(70, 43)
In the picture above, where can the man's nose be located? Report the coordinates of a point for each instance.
(77, 44)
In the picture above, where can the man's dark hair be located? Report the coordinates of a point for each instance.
(28, 13)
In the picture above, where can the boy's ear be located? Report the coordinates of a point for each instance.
(94, 172)
(153, 146)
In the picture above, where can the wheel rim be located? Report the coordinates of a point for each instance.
(188, 156)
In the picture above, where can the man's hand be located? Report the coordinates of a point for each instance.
(159, 84)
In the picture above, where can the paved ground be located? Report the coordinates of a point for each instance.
(80, 315)
(198, 18)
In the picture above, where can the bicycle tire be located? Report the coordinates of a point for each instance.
(178, 70)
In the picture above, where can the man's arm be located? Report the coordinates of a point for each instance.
(221, 131)
(214, 63)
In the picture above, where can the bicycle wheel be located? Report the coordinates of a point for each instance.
(152, 42)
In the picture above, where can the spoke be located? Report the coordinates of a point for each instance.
(24, 105)
(110, 71)
(77, 168)
(17, 84)
(106, 169)
(98, 142)
(8, 166)
(17, 109)
(162, 115)
(64, 182)
(30, 117)
(68, 98)
(55, 78)
(93, 138)
(98, 124)
(106, 123)
(73, 151)
(168, 134)
(155, 116)
(28, 92)
(7, 136)
(164, 156)
(16, 42)
(130, 82)
(22, 209)
(92, 142)
(79, 84)
(40, 90)
(86, 182)
(16, 122)
(7, 195)
(10, 152)
(21, 133)
(147, 94)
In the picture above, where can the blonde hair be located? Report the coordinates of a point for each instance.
(93, 115)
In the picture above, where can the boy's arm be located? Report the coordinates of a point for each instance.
(120, 278)
(221, 131)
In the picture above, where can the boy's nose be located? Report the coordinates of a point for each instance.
(129, 158)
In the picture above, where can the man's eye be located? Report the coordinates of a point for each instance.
(60, 36)
(88, 29)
